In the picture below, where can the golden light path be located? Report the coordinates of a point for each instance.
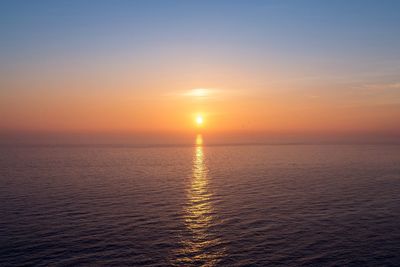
(202, 247)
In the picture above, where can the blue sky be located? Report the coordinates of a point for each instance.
(363, 31)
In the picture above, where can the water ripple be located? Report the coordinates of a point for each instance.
(200, 206)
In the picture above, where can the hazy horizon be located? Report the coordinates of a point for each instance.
(173, 138)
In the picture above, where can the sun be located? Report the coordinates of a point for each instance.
(199, 120)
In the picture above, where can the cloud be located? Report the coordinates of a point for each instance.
(382, 86)
(201, 92)
(394, 85)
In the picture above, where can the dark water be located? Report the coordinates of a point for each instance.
(200, 206)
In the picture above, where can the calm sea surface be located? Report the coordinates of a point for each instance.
(281, 205)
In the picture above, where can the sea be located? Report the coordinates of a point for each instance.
(200, 205)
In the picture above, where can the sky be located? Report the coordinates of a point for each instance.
(253, 70)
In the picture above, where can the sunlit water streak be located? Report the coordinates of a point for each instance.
(202, 246)
(290, 205)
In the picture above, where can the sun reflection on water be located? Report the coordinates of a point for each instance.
(201, 246)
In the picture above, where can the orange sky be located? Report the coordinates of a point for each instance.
(264, 70)
(239, 110)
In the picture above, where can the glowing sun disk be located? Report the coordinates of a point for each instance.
(199, 120)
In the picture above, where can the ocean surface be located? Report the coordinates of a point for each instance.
(254, 205)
